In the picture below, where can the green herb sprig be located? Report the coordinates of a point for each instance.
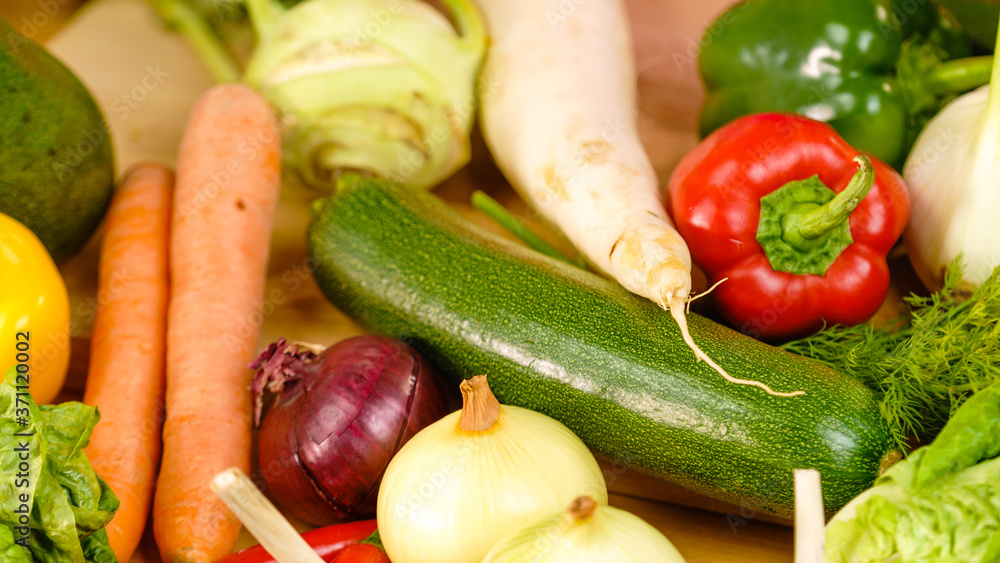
(923, 366)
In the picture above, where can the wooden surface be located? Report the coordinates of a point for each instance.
(146, 79)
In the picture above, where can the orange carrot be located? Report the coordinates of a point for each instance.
(228, 182)
(128, 348)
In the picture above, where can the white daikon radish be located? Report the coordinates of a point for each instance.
(558, 112)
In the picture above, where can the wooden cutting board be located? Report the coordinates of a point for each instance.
(146, 79)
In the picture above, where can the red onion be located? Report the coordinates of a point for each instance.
(338, 418)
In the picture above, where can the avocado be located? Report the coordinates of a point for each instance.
(56, 165)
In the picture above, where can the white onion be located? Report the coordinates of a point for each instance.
(586, 533)
(953, 173)
(454, 490)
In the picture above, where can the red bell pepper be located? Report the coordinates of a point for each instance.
(362, 553)
(775, 203)
(328, 542)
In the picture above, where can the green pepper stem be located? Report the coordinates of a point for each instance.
(834, 212)
(499, 213)
(193, 27)
(959, 75)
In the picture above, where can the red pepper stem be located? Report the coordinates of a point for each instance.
(821, 220)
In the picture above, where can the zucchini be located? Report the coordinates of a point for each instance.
(583, 350)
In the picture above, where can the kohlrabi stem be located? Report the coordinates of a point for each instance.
(193, 27)
(990, 133)
(468, 22)
(263, 14)
(834, 212)
(506, 219)
(959, 75)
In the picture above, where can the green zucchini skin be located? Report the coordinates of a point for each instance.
(610, 365)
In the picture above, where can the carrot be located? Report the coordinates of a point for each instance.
(125, 379)
(228, 182)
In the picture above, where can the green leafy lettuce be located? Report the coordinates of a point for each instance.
(941, 504)
(47, 481)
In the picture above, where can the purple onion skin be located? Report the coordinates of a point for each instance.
(338, 419)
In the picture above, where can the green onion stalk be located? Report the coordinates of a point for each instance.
(385, 88)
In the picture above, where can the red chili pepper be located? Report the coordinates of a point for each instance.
(327, 542)
(362, 553)
(753, 201)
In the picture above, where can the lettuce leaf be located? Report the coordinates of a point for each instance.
(971, 435)
(53, 506)
(941, 504)
(11, 552)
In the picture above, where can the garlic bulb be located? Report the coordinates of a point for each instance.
(477, 475)
(953, 173)
(586, 533)
(381, 87)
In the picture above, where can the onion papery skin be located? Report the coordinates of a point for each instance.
(951, 174)
(329, 435)
(610, 534)
(449, 494)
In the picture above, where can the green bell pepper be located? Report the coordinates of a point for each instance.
(876, 70)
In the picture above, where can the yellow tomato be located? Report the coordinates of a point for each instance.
(34, 312)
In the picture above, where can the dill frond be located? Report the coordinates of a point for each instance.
(944, 348)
